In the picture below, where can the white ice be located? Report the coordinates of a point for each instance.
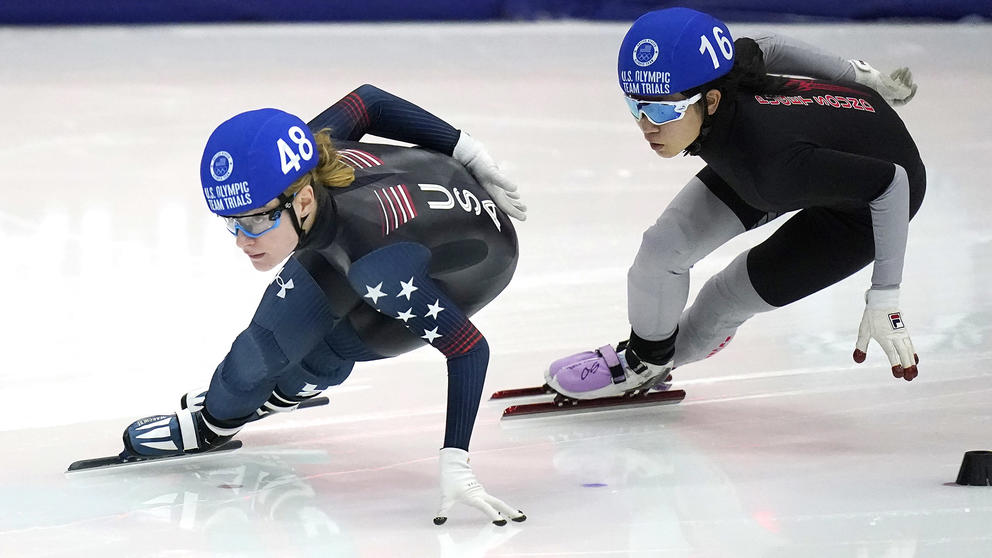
(119, 292)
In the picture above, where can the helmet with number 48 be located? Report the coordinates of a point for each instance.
(254, 157)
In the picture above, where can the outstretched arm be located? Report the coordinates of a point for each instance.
(836, 177)
(786, 55)
(394, 280)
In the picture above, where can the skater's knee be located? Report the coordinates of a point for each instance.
(328, 375)
(325, 366)
(254, 358)
(666, 247)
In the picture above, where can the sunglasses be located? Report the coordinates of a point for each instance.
(661, 112)
(257, 224)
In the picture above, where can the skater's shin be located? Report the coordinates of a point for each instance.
(726, 301)
(693, 225)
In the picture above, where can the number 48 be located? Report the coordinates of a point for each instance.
(290, 160)
(726, 47)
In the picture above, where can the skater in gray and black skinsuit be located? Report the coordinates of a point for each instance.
(829, 147)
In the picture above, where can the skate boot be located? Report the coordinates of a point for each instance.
(176, 434)
(605, 372)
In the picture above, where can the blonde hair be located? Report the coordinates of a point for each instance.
(331, 171)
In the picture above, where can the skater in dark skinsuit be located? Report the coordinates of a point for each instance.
(830, 147)
(386, 249)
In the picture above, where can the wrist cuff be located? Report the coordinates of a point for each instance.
(465, 149)
(879, 298)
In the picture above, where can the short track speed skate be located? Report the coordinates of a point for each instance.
(559, 404)
(594, 380)
(192, 401)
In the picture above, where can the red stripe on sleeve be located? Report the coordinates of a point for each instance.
(353, 109)
(462, 341)
(360, 104)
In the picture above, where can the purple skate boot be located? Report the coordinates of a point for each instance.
(604, 372)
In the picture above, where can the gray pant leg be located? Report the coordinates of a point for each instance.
(693, 225)
(723, 304)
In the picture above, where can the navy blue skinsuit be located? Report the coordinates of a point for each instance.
(399, 259)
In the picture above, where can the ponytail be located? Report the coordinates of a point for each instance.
(330, 172)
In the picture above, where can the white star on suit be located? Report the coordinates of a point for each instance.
(375, 292)
(406, 315)
(434, 309)
(430, 335)
(407, 289)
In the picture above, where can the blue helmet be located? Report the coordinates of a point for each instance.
(253, 157)
(673, 50)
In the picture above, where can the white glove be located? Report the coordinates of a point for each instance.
(458, 484)
(883, 322)
(896, 88)
(477, 160)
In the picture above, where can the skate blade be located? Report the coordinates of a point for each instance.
(564, 406)
(115, 461)
(548, 390)
(522, 392)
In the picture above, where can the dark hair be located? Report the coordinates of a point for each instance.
(747, 74)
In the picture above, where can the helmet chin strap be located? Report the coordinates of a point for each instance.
(302, 234)
(286, 201)
(697, 144)
(704, 130)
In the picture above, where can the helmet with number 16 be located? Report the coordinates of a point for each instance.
(672, 51)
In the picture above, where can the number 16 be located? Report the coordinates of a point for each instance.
(726, 47)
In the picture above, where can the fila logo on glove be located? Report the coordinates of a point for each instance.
(896, 321)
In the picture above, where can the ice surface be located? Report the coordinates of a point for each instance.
(120, 292)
